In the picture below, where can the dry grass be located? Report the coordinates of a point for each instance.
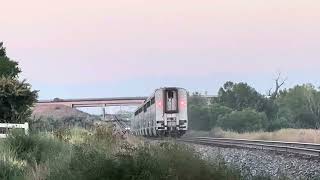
(38, 172)
(134, 140)
(290, 135)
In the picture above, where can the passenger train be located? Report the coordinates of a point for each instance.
(164, 113)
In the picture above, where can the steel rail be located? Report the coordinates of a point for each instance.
(309, 149)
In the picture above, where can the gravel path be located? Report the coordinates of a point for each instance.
(257, 162)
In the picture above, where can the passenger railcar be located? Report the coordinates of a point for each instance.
(164, 113)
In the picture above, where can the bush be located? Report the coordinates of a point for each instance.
(86, 163)
(10, 171)
(243, 121)
(63, 134)
(198, 117)
(34, 148)
(198, 112)
(10, 166)
(52, 159)
(217, 111)
(171, 161)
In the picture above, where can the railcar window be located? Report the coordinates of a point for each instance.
(145, 108)
(170, 94)
(171, 101)
(153, 100)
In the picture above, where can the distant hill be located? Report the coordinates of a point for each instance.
(59, 112)
(50, 117)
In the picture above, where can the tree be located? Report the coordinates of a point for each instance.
(239, 96)
(8, 68)
(198, 112)
(217, 111)
(16, 99)
(302, 104)
(2, 50)
(243, 121)
(197, 99)
(279, 83)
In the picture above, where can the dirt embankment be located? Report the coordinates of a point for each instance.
(57, 112)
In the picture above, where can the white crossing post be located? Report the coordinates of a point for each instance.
(26, 128)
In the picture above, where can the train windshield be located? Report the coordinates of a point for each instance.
(171, 101)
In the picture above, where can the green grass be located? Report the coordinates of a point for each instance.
(78, 154)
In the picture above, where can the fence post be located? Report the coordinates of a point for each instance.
(26, 128)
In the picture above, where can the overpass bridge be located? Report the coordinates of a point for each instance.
(102, 102)
(95, 102)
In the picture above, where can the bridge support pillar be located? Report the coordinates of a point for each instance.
(104, 113)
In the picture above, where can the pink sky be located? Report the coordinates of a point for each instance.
(108, 40)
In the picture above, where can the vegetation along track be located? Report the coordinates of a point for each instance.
(279, 146)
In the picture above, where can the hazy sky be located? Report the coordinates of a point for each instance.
(104, 48)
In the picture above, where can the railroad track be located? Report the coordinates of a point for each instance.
(308, 149)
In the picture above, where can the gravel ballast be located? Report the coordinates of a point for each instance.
(263, 162)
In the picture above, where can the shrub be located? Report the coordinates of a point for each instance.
(86, 163)
(79, 136)
(243, 121)
(171, 161)
(10, 171)
(63, 134)
(217, 111)
(10, 166)
(34, 148)
(103, 133)
(53, 159)
(165, 161)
